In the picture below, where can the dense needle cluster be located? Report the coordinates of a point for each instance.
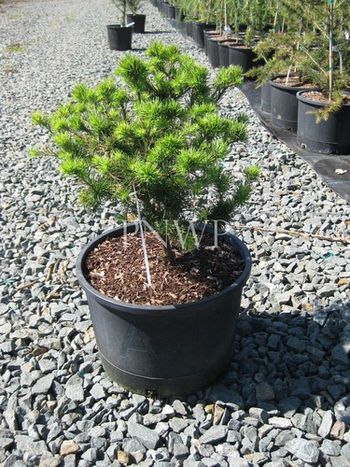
(158, 138)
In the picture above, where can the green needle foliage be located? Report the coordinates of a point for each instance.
(159, 138)
(121, 6)
(134, 5)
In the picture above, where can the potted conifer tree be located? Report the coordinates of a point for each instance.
(120, 35)
(243, 24)
(282, 75)
(136, 18)
(282, 69)
(163, 302)
(324, 114)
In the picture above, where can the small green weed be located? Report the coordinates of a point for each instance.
(15, 47)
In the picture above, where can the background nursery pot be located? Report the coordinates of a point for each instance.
(119, 37)
(213, 51)
(328, 137)
(189, 28)
(224, 55)
(171, 12)
(266, 98)
(198, 32)
(242, 56)
(167, 349)
(284, 105)
(139, 22)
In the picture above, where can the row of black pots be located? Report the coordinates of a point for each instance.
(288, 108)
(291, 110)
(165, 8)
(220, 53)
(224, 54)
(120, 37)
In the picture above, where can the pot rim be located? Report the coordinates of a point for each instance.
(239, 47)
(301, 98)
(117, 26)
(138, 15)
(282, 86)
(204, 24)
(136, 308)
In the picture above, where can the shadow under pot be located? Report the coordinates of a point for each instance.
(266, 98)
(198, 32)
(139, 23)
(173, 349)
(119, 37)
(331, 136)
(284, 104)
(242, 56)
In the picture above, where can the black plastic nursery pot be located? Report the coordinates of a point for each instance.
(159, 5)
(166, 349)
(213, 51)
(179, 16)
(164, 8)
(198, 32)
(119, 37)
(189, 28)
(266, 98)
(224, 56)
(171, 12)
(139, 23)
(208, 34)
(284, 106)
(327, 137)
(242, 56)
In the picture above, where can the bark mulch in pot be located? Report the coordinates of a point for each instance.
(292, 82)
(116, 269)
(318, 96)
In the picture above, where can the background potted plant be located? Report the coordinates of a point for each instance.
(119, 35)
(179, 13)
(171, 10)
(324, 114)
(245, 22)
(284, 63)
(220, 35)
(136, 18)
(156, 146)
(204, 21)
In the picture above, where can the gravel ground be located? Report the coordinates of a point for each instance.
(285, 400)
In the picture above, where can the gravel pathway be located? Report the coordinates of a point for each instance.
(285, 400)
